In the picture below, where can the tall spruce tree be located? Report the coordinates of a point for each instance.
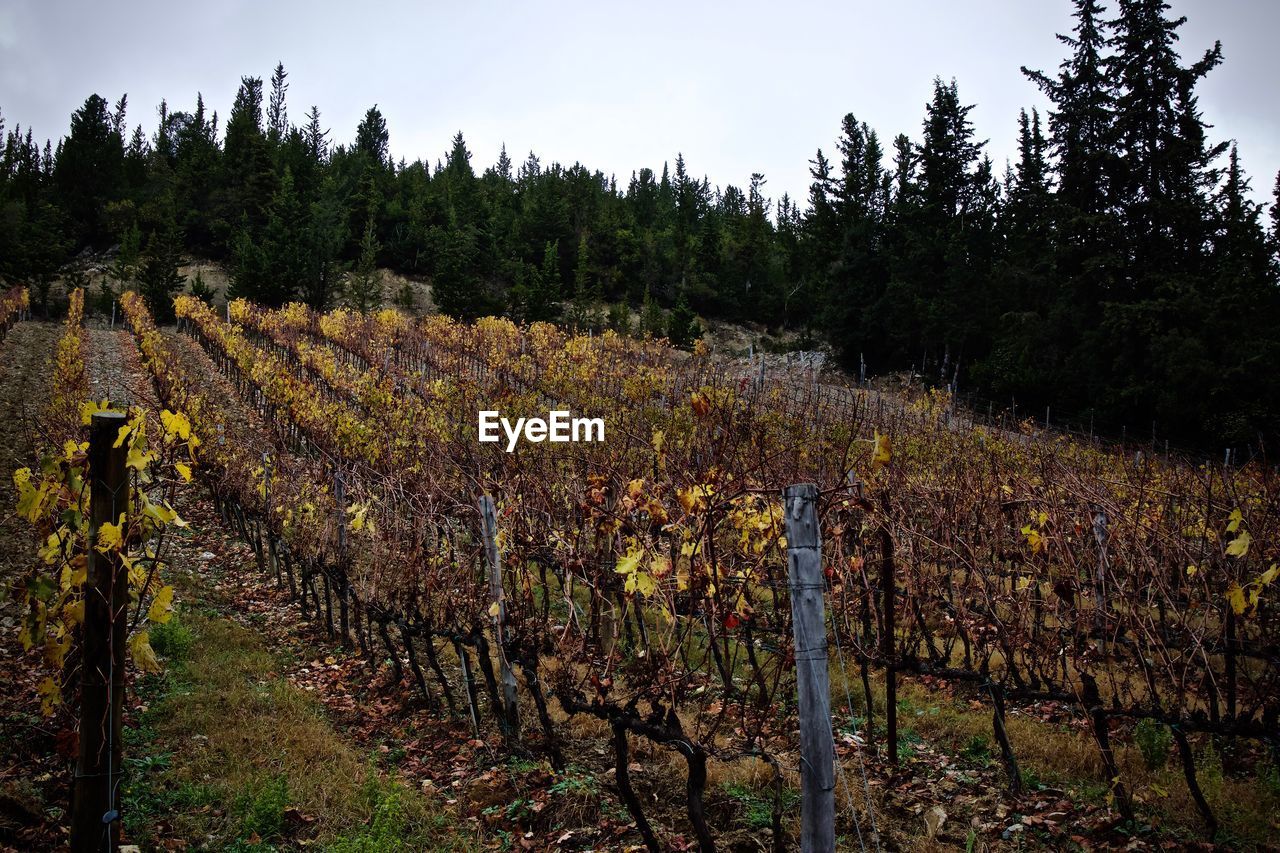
(277, 109)
(89, 170)
(364, 284)
(248, 179)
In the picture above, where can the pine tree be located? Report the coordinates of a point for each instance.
(373, 140)
(1161, 191)
(584, 311)
(249, 272)
(314, 138)
(1082, 118)
(248, 181)
(1088, 245)
(538, 295)
(849, 214)
(364, 284)
(933, 303)
(277, 111)
(653, 323)
(124, 267)
(158, 276)
(1275, 217)
(284, 242)
(503, 167)
(200, 289)
(89, 170)
(682, 326)
(1025, 353)
(325, 236)
(1239, 392)
(195, 176)
(1164, 168)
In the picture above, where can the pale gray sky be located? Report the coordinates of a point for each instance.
(737, 86)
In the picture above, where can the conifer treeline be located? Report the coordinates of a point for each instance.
(1119, 268)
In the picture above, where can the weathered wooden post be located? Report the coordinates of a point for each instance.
(266, 502)
(344, 591)
(817, 747)
(498, 610)
(1100, 536)
(889, 603)
(95, 824)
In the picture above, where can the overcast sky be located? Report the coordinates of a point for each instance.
(737, 87)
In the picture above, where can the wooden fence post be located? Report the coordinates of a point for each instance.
(889, 604)
(510, 704)
(344, 589)
(95, 824)
(817, 746)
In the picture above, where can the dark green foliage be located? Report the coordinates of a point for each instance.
(405, 297)
(200, 290)
(89, 169)
(536, 295)
(261, 811)
(683, 327)
(173, 640)
(653, 323)
(619, 318)
(105, 297)
(364, 284)
(1117, 270)
(158, 276)
(1154, 741)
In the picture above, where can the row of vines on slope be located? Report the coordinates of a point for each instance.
(643, 576)
(54, 499)
(14, 303)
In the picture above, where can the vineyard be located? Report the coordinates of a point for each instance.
(595, 603)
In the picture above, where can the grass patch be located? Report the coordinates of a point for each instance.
(1058, 756)
(756, 804)
(172, 640)
(229, 755)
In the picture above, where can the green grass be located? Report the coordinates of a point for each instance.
(230, 756)
(757, 804)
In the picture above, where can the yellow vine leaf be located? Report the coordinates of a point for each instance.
(90, 408)
(629, 563)
(881, 453)
(659, 438)
(184, 471)
(641, 582)
(1233, 521)
(144, 657)
(176, 424)
(138, 458)
(1235, 597)
(161, 609)
(1269, 575)
(1239, 546)
(110, 536)
(50, 696)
